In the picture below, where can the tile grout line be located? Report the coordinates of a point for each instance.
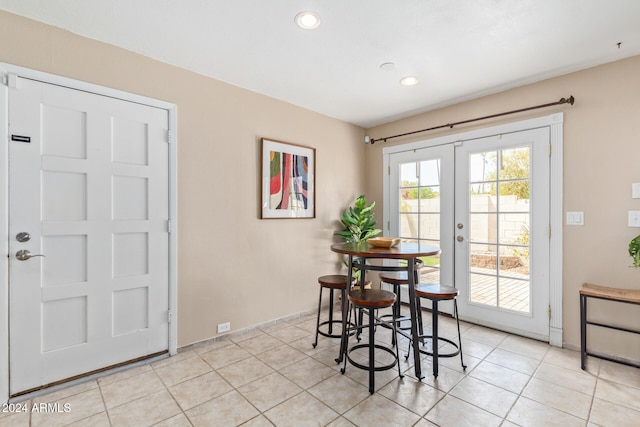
(171, 394)
(104, 404)
(324, 361)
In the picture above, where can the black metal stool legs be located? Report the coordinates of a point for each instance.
(371, 345)
(331, 320)
(436, 339)
(332, 283)
(315, 343)
(455, 310)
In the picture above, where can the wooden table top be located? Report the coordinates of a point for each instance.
(404, 250)
(617, 294)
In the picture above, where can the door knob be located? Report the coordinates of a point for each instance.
(24, 255)
(460, 226)
(459, 238)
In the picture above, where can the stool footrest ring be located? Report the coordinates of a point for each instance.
(387, 323)
(338, 323)
(450, 354)
(366, 367)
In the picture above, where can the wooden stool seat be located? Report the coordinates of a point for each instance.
(334, 281)
(372, 298)
(399, 277)
(436, 291)
(395, 277)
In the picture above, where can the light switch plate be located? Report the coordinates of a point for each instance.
(635, 190)
(634, 218)
(575, 218)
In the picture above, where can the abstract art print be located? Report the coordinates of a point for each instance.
(288, 180)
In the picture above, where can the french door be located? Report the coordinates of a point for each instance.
(88, 237)
(485, 202)
(424, 207)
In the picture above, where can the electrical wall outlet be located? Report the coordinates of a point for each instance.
(224, 327)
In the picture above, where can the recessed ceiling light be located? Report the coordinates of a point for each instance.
(308, 20)
(409, 81)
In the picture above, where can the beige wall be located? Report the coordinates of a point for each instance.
(601, 160)
(233, 267)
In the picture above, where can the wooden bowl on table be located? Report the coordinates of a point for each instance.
(384, 242)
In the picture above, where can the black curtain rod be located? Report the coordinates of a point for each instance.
(569, 100)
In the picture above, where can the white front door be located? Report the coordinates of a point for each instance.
(88, 190)
(493, 195)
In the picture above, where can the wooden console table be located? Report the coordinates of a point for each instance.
(627, 296)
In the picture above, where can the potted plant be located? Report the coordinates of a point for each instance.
(359, 223)
(634, 251)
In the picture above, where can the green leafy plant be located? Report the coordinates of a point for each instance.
(359, 221)
(634, 251)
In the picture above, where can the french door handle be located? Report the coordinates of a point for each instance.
(24, 255)
(459, 238)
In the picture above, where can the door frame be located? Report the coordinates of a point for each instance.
(8, 74)
(555, 124)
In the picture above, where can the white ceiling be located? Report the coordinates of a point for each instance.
(459, 49)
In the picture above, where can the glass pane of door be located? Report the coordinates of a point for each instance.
(499, 182)
(420, 209)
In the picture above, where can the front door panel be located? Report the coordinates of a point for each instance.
(88, 182)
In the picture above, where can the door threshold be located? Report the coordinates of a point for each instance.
(89, 376)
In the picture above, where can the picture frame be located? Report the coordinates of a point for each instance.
(288, 180)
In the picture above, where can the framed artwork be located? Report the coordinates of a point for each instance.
(288, 180)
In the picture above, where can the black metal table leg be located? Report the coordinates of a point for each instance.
(434, 335)
(372, 350)
(345, 313)
(583, 331)
(414, 317)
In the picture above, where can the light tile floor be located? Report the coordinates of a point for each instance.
(273, 376)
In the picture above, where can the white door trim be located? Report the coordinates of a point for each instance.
(555, 124)
(6, 79)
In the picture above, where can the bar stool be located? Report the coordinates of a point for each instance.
(372, 299)
(332, 282)
(397, 279)
(436, 293)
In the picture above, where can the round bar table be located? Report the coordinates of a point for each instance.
(359, 252)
